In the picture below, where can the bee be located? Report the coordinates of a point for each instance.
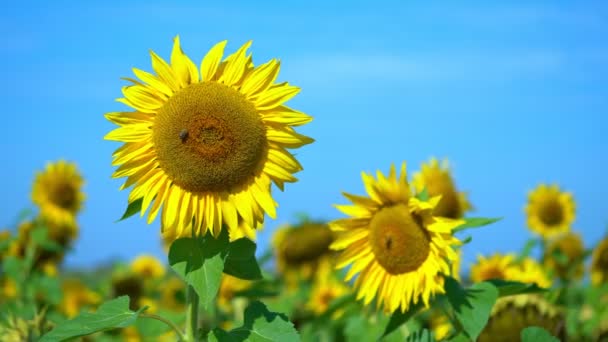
(183, 135)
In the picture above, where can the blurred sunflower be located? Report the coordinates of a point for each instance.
(394, 243)
(173, 294)
(302, 249)
(207, 145)
(8, 289)
(564, 256)
(440, 325)
(325, 290)
(229, 287)
(438, 181)
(148, 267)
(75, 297)
(5, 242)
(550, 211)
(529, 271)
(599, 263)
(495, 267)
(128, 284)
(57, 191)
(512, 314)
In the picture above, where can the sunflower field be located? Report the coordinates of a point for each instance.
(202, 145)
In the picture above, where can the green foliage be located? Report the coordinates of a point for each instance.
(423, 195)
(472, 306)
(476, 222)
(510, 288)
(362, 328)
(132, 209)
(423, 335)
(260, 325)
(398, 318)
(111, 314)
(537, 334)
(240, 260)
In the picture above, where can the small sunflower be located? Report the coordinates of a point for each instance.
(8, 289)
(437, 180)
(300, 250)
(229, 287)
(599, 263)
(550, 211)
(564, 256)
(399, 250)
(440, 325)
(173, 294)
(512, 314)
(148, 267)
(57, 191)
(75, 297)
(205, 145)
(495, 267)
(128, 284)
(324, 291)
(529, 271)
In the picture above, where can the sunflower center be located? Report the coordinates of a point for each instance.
(63, 195)
(209, 137)
(551, 213)
(493, 273)
(399, 241)
(306, 243)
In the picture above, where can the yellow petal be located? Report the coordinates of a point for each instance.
(236, 66)
(260, 78)
(212, 60)
(164, 71)
(153, 81)
(276, 96)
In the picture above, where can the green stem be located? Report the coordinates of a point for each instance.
(178, 331)
(191, 314)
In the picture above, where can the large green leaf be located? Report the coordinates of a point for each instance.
(476, 222)
(423, 335)
(200, 263)
(509, 288)
(398, 318)
(260, 325)
(472, 306)
(537, 334)
(112, 314)
(240, 260)
(132, 209)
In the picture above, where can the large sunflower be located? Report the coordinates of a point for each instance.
(550, 211)
(57, 191)
(599, 263)
(206, 144)
(399, 250)
(437, 180)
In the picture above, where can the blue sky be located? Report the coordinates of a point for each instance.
(514, 94)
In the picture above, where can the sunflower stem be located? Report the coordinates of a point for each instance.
(191, 314)
(177, 330)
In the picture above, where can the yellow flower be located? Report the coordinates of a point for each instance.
(57, 191)
(75, 297)
(599, 263)
(229, 287)
(550, 211)
(206, 146)
(529, 271)
(440, 325)
(437, 180)
(128, 284)
(512, 314)
(173, 294)
(131, 334)
(494, 267)
(148, 267)
(8, 288)
(5, 237)
(300, 250)
(564, 256)
(150, 303)
(394, 243)
(325, 289)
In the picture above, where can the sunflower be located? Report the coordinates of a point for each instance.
(529, 271)
(324, 291)
(599, 263)
(512, 314)
(437, 180)
(205, 145)
(301, 250)
(75, 297)
(440, 325)
(495, 267)
(564, 256)
(550, 211)
(57, 191)
(147, 267)
(128, 284)
(399, 250)
(173, 294)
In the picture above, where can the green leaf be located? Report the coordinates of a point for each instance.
(14, 268)
(423, 335)
(476, 222)
(112, 314)
(132, 209)
(335, 305)
(525, 252)
(472, 306)
(40, 238)
(398, 318)
(240, 260)
(260, 325)
(200, 263)
(509, 288)
(423, 195)
(537, 334)
(460, 338)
